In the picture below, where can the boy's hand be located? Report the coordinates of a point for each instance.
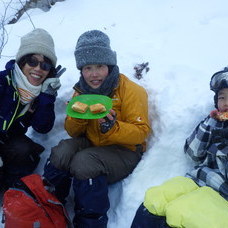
(107, 122)
(220, 132)
(220, 136)
(214, 113)
(221, 116)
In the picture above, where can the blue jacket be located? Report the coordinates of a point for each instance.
(41, 119)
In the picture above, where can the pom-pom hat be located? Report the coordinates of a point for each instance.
(93, 47)
(38, 41)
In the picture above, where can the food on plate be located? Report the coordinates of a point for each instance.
(222, 116)
(79, 107)
(97, 108)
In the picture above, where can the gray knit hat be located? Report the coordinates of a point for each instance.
(38, 41)
(93, 47)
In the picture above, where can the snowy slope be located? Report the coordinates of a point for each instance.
(184, 42)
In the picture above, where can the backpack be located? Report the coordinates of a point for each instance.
(32, 206)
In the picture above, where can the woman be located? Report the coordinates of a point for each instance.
(28, 88)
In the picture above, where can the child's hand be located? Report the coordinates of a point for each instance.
(107, 122)
(214, 114)
(220, 136)
(220, 133)
(221, 116)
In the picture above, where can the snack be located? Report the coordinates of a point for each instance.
(97, 108)
(79, 107)
(222, 116)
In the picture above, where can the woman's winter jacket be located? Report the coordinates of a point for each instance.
(210, 155)
(41, 115)
(132, 126)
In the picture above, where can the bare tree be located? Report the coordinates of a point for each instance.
(45, 5)
(23, 9)
(6, 18)
(3, 22)
(19, 7)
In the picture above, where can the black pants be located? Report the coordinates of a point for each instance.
(144, 219)
(20, 157)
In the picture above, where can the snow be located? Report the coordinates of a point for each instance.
(184, 42)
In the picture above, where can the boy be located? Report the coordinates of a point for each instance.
(164, 206)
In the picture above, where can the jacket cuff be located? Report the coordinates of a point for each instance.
(46, 99)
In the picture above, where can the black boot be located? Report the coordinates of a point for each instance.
(60, 179)
(144, 219)
(91, 202)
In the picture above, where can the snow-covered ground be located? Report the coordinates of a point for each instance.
(185, 42)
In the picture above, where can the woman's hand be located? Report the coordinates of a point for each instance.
(50, 86)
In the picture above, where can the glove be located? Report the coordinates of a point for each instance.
(107, 125)
(214, 113)
(50, 86)
(58, 71)
(220, 133)
(220, 136)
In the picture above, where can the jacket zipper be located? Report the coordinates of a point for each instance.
(12, 119)
(15, 95)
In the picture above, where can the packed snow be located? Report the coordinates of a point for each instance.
(184, 43)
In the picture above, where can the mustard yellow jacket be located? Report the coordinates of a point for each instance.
(130, 102)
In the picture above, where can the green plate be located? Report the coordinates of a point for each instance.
(89, 99)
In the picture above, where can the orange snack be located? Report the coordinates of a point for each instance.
(79, 107)
(97, 108)
(222, 116)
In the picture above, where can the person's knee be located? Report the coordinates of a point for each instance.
(62, 154)
(85, 165)
(22, 151)
(54, 175)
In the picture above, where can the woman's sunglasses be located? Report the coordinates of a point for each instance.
(34, 62)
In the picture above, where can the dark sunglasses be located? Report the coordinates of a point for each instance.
(34, 62)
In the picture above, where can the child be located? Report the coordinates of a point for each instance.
(101, 151)
(164, 206)
(207, 145)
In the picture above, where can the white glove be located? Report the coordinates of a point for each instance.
(50, 86)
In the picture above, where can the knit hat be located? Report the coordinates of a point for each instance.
(38, 41)
(93, 47)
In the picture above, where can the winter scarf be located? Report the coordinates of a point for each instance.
(27, 91)
(106, 88)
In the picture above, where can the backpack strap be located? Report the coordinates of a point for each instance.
(36, 186)
(22, 186)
